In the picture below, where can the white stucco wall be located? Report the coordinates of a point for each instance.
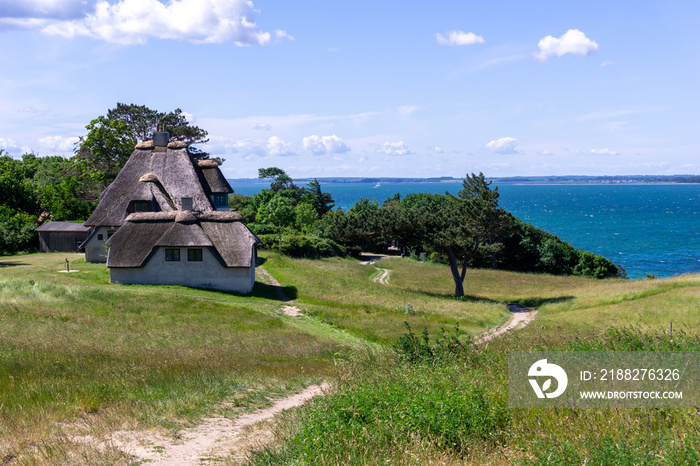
(209, 273)
(95, 250)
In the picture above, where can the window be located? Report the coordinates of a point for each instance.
(194, 255)
(110, 233)
(139, 206)
(186, 203)
(172, 255)
(220, 200)
(100, 237)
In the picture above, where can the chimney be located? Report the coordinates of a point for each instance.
(160, 139)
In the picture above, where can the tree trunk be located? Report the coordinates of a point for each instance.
(454, 267)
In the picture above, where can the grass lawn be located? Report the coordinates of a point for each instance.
(80, 356)
(74, 347)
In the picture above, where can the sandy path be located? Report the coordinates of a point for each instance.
(215, 439)
(219, 438)
(383, 277)
(289, 310)
(520, 317)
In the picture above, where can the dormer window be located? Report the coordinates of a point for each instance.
(186, 203)
(220, 200)
(140, 206)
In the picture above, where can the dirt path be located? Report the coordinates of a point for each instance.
(216, 439)
(383, 277)
(520, 317)
(265, 277)
(219, 439)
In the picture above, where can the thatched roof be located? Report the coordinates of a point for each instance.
(213, 180)
(160, 177)
(143, 233)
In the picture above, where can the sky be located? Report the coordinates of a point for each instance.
(369, 88)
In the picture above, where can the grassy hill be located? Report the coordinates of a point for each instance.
(79, 356)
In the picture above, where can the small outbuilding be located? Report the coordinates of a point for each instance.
(62, 236)
(210, 249)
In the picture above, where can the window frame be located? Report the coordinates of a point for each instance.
(195, 255)
(141, 205)
(219, 200)
(172, 255)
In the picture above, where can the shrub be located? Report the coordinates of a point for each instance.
(302, 246)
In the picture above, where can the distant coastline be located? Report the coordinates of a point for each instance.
(573, 179)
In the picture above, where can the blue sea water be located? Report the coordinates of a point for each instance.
(646, 228)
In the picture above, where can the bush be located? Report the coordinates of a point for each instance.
(302, 246)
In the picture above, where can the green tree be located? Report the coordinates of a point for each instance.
(280, 180)
(64, 200)
(306, 216)
(278, 212)
(322, 202)
(478, 205)
(105, 149)
(142, 122)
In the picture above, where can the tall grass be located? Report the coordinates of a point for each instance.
(75, 348)
(453, 407)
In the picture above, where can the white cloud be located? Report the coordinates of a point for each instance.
(8, 144)
(325, 145)
(438, 150)
(605, 151)
(135, 21)
(58, 144)
(607, 63)
(274, 146)
(282, 35)
(454, 38)
(503, 146)
(394, 148)
(277, 147)
(573, 41)
(262, 127)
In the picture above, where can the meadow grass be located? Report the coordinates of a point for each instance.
(340, 292)
(79, 356)
(413, 405)
(73, 347)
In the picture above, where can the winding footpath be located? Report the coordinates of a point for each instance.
(218, 438)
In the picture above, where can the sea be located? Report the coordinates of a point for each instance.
(649, 229)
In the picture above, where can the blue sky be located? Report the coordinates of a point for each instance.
(380, 88)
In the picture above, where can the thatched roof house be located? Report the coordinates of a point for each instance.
(199, 249)
(155, 179)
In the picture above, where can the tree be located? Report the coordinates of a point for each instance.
(279, 212)
(306, 216)
(450, 232)
(105, 149)
(322, 202)
(487, 221)
(64, 201)
(111, 139)
(280, 180)
(142, 122)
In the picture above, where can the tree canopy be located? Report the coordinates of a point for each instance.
(111, 139)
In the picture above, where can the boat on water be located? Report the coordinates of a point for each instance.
(378, 185)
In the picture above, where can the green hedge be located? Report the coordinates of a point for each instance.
(302, 246)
